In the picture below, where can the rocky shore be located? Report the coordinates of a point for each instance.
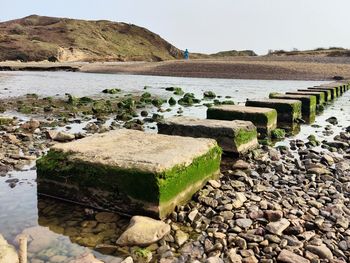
(275, 204)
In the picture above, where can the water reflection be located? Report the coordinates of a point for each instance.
(85, 227)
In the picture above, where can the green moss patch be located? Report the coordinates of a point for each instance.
(244, 136)
(287, 111)
(144, 187)
(308, 104)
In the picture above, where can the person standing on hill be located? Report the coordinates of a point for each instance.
(186, 54)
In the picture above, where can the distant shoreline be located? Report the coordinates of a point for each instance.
(267, 68)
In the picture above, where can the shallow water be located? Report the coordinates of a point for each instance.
(63, 226)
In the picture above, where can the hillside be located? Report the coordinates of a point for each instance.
(321, 52)
(38, 38)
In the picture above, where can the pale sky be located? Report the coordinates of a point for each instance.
(210, 26)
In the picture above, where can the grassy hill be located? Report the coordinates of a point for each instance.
(38, 38)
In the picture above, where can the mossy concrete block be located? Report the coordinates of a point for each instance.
(334, 92)
(129, 171)
(264, 119)
(335, 85)
(327, 94)
(320, 96)
(288, 111)
(308, 104)
(232, 136)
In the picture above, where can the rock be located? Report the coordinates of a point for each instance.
(273, 215)
(105, 217)
(322, 251)
(181, 237)
(318, 171)
(192, 215)
(141, 255)
(244, 222)
(8, 253)
(278, 227)
(128, 260)
(214, 260)
(31, 125)
(214, 183)
(250, 259)
(233, 256)
(240, 165)
(290, 257)
(240, 199)
(89, 239)
(86, 258)
(39, 238)
(327, 159)
(143, 231)
(60, 136)
(332, 120)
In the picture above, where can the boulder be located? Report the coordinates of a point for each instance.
(143, 231)
(8, 252)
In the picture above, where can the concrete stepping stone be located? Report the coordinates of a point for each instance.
(337, 86)
(288, 111)
(320, 96)
(328, 92)
(232, 136)
(308, 106)
(129, 171)
(333, 90)
(327, 96)
(265, 119)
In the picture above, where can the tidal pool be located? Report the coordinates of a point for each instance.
(61, 231)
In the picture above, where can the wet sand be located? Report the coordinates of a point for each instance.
(277, 68)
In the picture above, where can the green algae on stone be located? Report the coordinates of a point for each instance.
(278, 134)
(111, 91)
(209, 95)
(334, 93)
(172, 101)
(68, 173)
(327, 93)
(177, 90)
(6, 120)
(288, 111)
(264, 119)
(233, 136)
(308, 106)
(188, 100)
(320, 96)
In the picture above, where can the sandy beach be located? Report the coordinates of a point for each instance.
(278, 68)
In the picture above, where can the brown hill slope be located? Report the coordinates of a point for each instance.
(37, 38)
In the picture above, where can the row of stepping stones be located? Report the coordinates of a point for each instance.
(134, 172)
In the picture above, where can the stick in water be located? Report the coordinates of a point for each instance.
(22, 240)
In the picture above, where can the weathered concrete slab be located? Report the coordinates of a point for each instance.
(327, 96)
(320, 97)
(327, 93)
(232, 136)
(308, 106)
(264, 119)
(335, 85)
(129, 171)
(288, 111)
(332, 90)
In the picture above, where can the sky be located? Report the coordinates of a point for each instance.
(209, 26)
